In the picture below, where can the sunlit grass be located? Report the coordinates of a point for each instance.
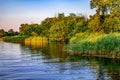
(96, 42)
(36, 42)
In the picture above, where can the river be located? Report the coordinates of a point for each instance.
(51, 62)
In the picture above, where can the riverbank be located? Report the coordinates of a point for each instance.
(14, 38)
(84, 44)
(95, 44)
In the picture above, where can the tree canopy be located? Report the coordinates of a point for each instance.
(58, 28)
(62, 28)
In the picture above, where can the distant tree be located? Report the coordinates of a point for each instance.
(58, 28)
(10, 30)
(21, 28)
(61, 15)
(1, 32)
(72, 15)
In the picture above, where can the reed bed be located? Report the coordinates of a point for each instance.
(96, 44)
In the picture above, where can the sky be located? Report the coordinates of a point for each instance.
(16, 12)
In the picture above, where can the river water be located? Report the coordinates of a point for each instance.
(51, 62)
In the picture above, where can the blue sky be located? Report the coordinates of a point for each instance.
(15, 12)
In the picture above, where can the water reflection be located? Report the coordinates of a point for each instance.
(50, 50)
(107, 69)
(51, 62)
(35, 44)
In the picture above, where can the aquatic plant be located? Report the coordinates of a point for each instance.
(96, 43)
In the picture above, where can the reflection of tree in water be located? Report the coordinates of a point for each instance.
(49, 50)
(115, 74)
(102, 73)
(109, 69)
(55, 50)
(36, 44)
(111, 66)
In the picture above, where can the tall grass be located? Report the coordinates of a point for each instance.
(97, 42)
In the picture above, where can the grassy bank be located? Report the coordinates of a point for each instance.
(96, 44)
(14, 38)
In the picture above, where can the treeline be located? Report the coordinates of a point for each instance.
(107, 17)
(102, 37)
(63, 28)
(60, 28)
(10, 32)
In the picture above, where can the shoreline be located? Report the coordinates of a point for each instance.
(95, 54)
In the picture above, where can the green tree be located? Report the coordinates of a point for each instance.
(21, 28)
(27, 29)
(101, 5)
(1, 32)
(107, 17)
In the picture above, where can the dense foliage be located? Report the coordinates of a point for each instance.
(107, 17)
(59, 28)
(62, 28)
(102, 35)
(8, 33)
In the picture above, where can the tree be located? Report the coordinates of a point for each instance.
(107, 17)
(21, 28)
(1, 32)
(27, 29)
(61, 15)
(101, 5)
(11, 31)
(94, 23)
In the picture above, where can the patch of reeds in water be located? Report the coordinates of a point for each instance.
(97, 44)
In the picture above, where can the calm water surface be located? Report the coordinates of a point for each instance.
(51, 62)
